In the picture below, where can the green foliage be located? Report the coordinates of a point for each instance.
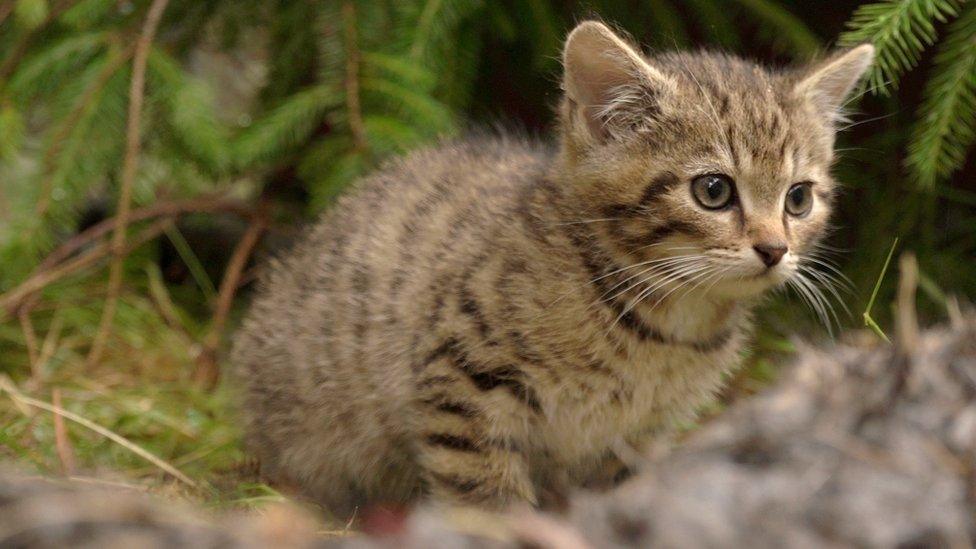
(901, 31)
(946, 127)
(30, 14)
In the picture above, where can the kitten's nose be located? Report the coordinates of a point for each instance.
(770, 253)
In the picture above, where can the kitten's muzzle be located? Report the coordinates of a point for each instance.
(770, 254)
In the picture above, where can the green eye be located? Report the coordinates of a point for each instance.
(799, 200)
(713, 191)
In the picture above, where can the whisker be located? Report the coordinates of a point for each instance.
(831, 275)
(859, 122)
(583, 221)
(830, 286)
(666, 267)
(708, 275)
(690, 271)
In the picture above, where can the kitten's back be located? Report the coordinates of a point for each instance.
(327, 347)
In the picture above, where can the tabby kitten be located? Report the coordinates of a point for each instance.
(487, 321)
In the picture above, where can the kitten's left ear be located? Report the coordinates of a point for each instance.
(829, 83)
(609, 84)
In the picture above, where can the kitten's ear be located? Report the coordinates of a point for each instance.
(829, 82)
(607, 83)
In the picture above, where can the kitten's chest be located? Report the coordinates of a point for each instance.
(649, 391)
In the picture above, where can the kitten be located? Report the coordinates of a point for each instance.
(484, 322)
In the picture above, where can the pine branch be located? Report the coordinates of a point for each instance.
(47, 69)
(946, 126)
(190, 114)
(19, 50)
(286, 126)
(81, 108)
(129, 166)
(900, 30)
(424, 28)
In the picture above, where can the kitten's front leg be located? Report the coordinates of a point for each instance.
(464, 459)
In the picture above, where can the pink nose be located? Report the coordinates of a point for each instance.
(770, 253)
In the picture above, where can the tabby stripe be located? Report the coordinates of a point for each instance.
(451, 407)
(661, 185)
(469, 306)
(453, 442)
(715, 343)
(730, 141)
(434, 380)
(672, 227)
(456, 483)
(501, 377)
(487, 379)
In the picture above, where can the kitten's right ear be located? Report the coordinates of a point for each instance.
(609, 86)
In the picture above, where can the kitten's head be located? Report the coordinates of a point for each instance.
(714, 167)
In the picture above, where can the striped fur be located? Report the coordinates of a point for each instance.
(465, 323)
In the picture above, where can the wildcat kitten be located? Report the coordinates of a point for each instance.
(485, 321)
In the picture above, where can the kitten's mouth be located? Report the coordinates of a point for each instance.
(769, 273)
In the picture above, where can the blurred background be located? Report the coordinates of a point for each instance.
(152, 153)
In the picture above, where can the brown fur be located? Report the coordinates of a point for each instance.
(474, 322)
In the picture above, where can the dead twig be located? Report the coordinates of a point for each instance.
(5, 9)
(356, 126)
(8, 386)
(66, 454)
(204, 204)
(906, 327)
(11, 301)
(207, 372)
(30, 338)
(130, 165)
(51, 341)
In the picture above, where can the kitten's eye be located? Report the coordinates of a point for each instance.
(713, 191)
(799, 199)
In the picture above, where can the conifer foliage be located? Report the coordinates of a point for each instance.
(902, 30)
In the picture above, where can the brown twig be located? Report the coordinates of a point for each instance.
(207, 372)
(356, 126)
(30, 338)
(66, 454)
(11, 301)
(15, 298)
(906, 319)
(51, 341)
(206, 204)
(5, 9)
(130, 164)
